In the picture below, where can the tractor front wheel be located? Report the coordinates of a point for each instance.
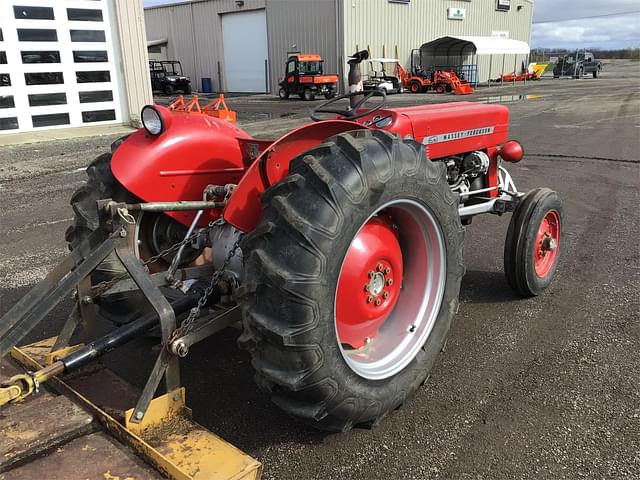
(415, 87)
(352, 279)
(283, 94)
(169, 89)
(534, 241)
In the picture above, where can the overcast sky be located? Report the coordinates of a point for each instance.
(618, 31)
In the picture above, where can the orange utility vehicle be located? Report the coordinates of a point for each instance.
(305, 77)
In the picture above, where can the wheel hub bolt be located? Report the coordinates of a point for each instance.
(366, 287)
(369, 299)
(376, 285)
(378, 302)
(385, 295)
(380, 267)
(371, 274)
(387, 271)
(548, 243)
(389, 281)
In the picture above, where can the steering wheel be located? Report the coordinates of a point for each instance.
(350, 114)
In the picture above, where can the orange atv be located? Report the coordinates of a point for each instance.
(304, 77)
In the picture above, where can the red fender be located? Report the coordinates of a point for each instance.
(194, 150)
(244, 208)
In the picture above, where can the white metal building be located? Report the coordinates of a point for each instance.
(71, 63)
(242, 45)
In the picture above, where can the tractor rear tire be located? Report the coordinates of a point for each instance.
(415, 87)
(294, 264)
(283, 94)
(532, 249)
(330, 94)
(101, 184)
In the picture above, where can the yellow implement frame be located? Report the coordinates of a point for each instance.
(168, 438)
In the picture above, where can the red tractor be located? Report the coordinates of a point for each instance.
(341, 244)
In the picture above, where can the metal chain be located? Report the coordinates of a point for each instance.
(176, 246)
(188, 323)
(106, 285)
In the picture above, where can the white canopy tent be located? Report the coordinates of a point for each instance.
(455, 51)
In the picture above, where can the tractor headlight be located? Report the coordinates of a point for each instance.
(152, 120)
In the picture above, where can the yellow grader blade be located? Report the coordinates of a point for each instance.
(167, 438)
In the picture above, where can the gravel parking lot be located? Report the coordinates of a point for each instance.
(544, 388)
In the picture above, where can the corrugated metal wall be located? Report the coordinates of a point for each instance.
(308, 26)
(131, 33)
(332, 28)
(194, 31)
(383, 26)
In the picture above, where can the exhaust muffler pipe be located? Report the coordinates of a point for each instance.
(355, 76)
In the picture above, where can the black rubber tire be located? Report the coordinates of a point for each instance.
(100, 184)
(283, 94)
(308, 95)
(330, 94)
(292, 264)
(596, 72)
(168, 89)
(187, 90)
(520, 242)
(415, 87)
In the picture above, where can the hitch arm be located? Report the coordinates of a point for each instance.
(22, 385)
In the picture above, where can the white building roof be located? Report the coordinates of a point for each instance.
(465, 45)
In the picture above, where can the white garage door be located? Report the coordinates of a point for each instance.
(57, 65)
(245, 51)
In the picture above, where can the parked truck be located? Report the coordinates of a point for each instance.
(577, 65)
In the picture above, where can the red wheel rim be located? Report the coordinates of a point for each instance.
(547, 243)
(370, 282)
(398, 251)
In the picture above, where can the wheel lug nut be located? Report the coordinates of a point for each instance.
(380, 267)
(385, 295)
(366, 287)
(378, 302)
(369, 299)
(390, 281)
(387, 271)
(371, 274)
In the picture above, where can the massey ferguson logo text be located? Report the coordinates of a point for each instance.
(447, 137)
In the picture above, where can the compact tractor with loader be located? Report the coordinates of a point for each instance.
(305, 77)
(339, 243)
